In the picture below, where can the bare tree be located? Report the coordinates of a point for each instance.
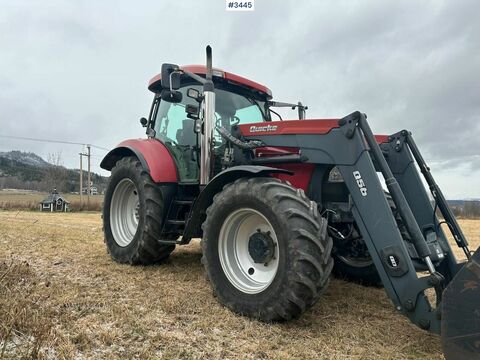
(472, 209)
(55, 174)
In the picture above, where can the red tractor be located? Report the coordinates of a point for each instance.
(280, 203)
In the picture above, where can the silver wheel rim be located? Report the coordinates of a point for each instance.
(237, 264)
(124, 212)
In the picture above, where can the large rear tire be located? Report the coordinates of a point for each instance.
(265, 249)
(132, 215)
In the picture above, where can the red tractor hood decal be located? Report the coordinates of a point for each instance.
(287, 127)
(295, 127)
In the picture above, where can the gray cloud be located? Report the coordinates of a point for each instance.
(78, 71)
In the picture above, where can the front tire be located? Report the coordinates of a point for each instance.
(132, 215)
(265, 249)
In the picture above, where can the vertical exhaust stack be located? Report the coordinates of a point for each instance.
(208, 122)
(209, 62)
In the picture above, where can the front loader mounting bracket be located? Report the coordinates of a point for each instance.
(348, 124)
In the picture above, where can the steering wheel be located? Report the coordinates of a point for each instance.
(235, 120)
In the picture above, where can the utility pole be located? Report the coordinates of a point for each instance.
(89, 183)
(88, 175)
(81, 179)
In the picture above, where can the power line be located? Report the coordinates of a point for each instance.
(52, 141)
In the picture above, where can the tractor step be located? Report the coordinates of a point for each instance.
(167, 242)
(176, 218)
(171, 242)
(176, 222)
(183, 202)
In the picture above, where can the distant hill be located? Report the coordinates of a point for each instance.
(26, 170)
(26, 158)
(461, 202)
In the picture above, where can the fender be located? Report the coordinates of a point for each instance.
(205, 198)
(153, 155)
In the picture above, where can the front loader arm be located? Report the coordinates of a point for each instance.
(379, 229)
(457, 285)
(351, 146)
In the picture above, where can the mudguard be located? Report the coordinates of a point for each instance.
(204, 200)
(154, 156)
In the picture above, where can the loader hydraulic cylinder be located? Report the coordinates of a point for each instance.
(440, 200)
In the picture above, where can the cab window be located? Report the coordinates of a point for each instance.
(171, 123)
(176, 130)
(234, 109)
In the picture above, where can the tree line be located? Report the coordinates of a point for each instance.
(17, 175)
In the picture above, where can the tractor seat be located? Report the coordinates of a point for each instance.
(186, 135)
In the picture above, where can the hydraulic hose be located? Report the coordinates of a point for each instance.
(245, 145)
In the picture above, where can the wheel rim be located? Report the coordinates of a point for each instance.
(124, 212)
(233, 248)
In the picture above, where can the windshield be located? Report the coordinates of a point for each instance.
(176, 130)
(173, 126)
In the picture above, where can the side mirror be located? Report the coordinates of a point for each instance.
(194, 94)
(143, 121)
(170, 77)
(171, 96)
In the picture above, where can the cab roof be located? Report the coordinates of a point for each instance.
(155, 83)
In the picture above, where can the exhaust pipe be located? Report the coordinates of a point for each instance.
(209, 62)
(208, 123)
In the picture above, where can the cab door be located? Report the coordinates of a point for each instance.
(174, 129)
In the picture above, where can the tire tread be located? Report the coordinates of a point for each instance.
(309, 247)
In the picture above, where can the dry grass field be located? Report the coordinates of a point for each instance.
(61, 296)
(23, 200)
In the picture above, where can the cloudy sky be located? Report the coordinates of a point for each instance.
(78, 71)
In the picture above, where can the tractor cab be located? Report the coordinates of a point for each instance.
(176, 118)
(175, 115)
